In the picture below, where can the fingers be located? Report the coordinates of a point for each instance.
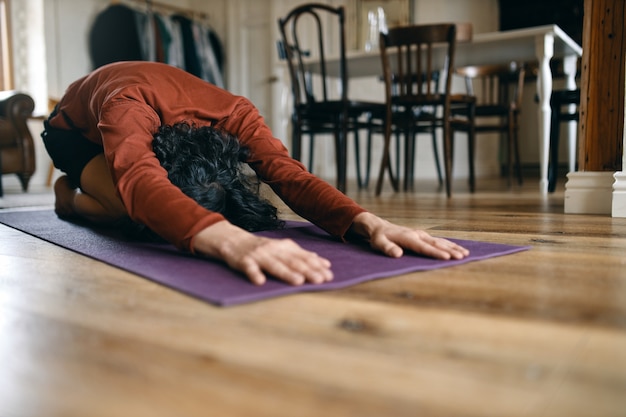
(286, 261)
(258, 256)
(393, 240)
(440, 248)
(387, 247)
(253, 271)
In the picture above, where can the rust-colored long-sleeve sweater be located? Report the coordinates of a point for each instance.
(122, 105)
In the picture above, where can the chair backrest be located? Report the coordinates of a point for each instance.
(495, 85)
(15, 109)
(417, 58)
(314, 31)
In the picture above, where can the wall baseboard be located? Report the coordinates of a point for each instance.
(589, 192)
(619, 195)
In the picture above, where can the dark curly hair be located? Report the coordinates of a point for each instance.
(206, 164)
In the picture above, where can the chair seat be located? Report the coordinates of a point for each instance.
(497, 115)
(329, 112)
(484, 111)
(420, 108)
(432, 100)
(562, 98)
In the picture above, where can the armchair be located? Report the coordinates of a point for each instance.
(17, 150)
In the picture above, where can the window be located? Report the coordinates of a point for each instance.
(6, 67)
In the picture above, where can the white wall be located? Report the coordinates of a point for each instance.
(67, 28)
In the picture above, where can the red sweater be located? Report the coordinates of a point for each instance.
(122, 105)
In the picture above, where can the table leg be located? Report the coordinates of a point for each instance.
(545, 50)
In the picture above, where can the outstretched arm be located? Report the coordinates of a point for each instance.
(392, 239)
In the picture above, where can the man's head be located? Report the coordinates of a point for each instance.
(205, 163)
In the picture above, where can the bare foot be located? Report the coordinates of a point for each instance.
(64, 197)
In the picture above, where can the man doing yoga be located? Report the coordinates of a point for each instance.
(126, 135)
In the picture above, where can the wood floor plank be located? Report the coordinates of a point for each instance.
(541, 332)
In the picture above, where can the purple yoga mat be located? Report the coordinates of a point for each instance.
(215, 282)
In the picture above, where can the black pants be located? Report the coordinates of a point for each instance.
(69, 149)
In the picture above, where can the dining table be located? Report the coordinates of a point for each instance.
(538, 45)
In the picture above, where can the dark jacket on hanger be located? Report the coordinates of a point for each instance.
(113, 36)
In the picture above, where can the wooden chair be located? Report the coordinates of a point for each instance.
(17, 150)
(565, 106)
(498, 90)
(321, 104)
(412, 56)
(398, 130)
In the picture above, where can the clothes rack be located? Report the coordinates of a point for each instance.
(153, 6)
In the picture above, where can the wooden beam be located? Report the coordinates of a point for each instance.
(602, 86)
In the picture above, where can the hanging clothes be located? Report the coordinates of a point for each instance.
(146, 34)
(169, 41)
(218, 48)
(113, 36)
(190, 53)
(208, 61)
(122, 33)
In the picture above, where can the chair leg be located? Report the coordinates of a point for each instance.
(385, 165)
(472, 149)
(363, 181)
(510, 151)
(553, 170)
(24, 180)
(409, 159)
(436, 154)
(50, 174)
(518, 164)
(447, 157)
(311, 151)
(368, 159)
(398, 153)
(393, 177)
(471, 135)
(357, 158)
(296, 142)
(342, 157)
(381, 173)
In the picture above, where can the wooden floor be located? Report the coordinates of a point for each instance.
(538, 333)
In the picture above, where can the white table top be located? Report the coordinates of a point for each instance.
(485, 48)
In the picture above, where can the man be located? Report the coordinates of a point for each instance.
(101, 136)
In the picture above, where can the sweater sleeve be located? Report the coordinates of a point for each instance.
(127, 129)
(306, 194)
